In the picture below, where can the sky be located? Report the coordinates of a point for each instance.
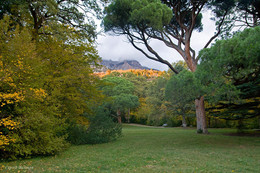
(117, 48)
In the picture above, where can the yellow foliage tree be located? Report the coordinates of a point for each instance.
(12, 92)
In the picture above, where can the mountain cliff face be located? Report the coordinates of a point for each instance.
(123, 65)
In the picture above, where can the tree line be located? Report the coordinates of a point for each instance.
(230, 86)
(172, 23)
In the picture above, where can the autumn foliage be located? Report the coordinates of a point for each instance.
(41, 90)
(138, 72)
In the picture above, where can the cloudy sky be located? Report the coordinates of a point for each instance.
(117, 48)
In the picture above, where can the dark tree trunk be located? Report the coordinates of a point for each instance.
(119, 119)
(184, 124)
(201, 115)
(128, 118)
(209, 119)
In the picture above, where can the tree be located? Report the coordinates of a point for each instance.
(176, 87)
(249, 12)
(153, 106)
(27, 125)
(230, 71)
(124, 102)
(67, 76)
(171, 22)
(44, 85)
(245, 14)
(181, 90)
(121, 90)
(40, 15)
(252, 8)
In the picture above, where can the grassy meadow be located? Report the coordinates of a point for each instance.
(151, 149)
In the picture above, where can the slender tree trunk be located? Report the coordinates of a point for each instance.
(201, 115)
(119, 119)
(184, 124)
(128, 118)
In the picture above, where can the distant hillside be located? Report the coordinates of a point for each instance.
(122, 65)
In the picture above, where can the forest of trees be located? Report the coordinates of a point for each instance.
(51, 98)
(172, 23)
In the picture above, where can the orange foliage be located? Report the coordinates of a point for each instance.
(138, 72)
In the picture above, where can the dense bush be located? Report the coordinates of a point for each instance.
(77, 134)
(37, 134)
(102, 129)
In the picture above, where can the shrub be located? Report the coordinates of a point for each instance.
(77, 134)
(176, 122)
(102, 129)
(37, 134)
(133, 119)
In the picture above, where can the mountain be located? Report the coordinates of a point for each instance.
(122, 65)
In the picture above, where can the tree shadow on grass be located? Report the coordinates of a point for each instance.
(253, 133)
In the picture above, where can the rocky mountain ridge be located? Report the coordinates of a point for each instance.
(121, 65)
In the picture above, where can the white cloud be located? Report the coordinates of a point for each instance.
(117, 48)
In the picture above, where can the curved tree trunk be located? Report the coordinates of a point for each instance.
(201, 115)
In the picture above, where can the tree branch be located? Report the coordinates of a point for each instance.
(160, 59)
(218, 32)
(156, 58)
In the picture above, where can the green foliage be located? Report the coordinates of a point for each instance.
(116, 86)
(125, 101)
(230, 70)
(39, 131)
(153, 107)
(102, 129)
(121, 91)
(179, 66)
(150, 13)
(140, 83)
(67, 76)
(124, 13)
(77, 134)
(40, 15)
(38, 134)
(156, 89)
(182, 89)
(143, 14)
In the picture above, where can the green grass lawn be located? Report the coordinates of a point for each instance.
(146, 149)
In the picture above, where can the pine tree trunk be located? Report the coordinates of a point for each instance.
(201, 115)
(199, 103)
(119, 119)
